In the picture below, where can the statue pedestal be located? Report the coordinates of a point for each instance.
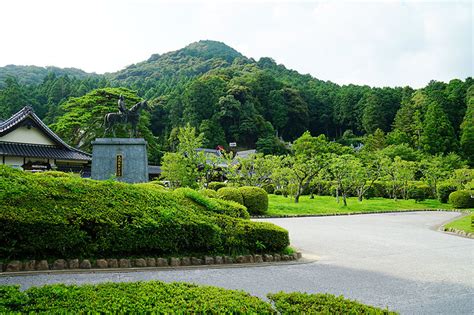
(124, 159)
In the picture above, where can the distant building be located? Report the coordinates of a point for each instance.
(27, 143)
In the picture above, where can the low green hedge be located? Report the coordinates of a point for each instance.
(462, 199)
(216, 185)
(169, 298)
(134, 297)
(227, 207)
(210, 193)
(69, 217)
(255, 199)
(231, 193)
(241, 236)
(304, 303)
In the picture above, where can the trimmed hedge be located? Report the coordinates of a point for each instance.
(231, 193)
(462, 199)
(134, 297)
(304, 303)
(69, 217)
(227, 207)
(209, 193)
(255, 199)
(169, 298)
(216, 185)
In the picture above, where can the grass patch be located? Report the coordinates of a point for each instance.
(462, 224)
(326, 205)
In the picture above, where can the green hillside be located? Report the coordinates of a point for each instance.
(259, 104)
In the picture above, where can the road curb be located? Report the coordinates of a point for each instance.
(349, 214)
(18, 268)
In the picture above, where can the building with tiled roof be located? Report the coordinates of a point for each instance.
(27, 143)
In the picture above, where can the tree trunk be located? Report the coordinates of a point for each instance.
(344, 199)
(297, 197)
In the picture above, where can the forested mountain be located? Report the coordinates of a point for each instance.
(231, 98)
(34, 75)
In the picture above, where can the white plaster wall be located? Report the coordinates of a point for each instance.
(25, 135)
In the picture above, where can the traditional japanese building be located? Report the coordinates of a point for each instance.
(27, 143)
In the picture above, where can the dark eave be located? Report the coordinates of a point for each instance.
(41, 151)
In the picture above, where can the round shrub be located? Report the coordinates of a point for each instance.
(269, 188)
(444, 190)
(231, 193)
(210, 193)
(255, 199)
(216, 185)
(462, 199)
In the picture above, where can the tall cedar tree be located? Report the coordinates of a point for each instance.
(438, 134)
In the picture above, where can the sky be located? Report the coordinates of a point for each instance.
(377, 43)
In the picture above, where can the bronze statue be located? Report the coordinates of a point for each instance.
(124, 116)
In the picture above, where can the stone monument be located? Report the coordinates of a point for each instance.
(124, 159)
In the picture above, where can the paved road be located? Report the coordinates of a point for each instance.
(394, 260)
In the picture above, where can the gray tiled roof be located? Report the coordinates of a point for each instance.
(41, 151)
(60, 150)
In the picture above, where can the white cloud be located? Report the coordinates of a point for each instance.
(372, 42)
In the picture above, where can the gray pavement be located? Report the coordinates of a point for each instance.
(395, 260)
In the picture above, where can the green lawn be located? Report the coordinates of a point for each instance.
(279, 205)
(463, 224)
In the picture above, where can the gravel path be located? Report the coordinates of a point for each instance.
(395, 260)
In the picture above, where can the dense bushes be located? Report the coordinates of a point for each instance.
(135, 297)
(216, 185)
(227, 207)
(418, 191)
(169, 298)
(231, 193)
(444, 190)
(269, 188)
(70, 217)
(255, 199)
(210, 193)
(303, 303)
(462, 199)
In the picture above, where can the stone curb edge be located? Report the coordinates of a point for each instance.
(458, 232)
(348, 214)
(16, 267)
(453, 231)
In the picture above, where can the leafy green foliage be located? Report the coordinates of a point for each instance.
(444, 190)
(141, 297)
(216, 185)
(258, 104)
(231, 193)
(462, 199)
(227, 206)
(255, 199)
(304, 303)
(83, 119)
(54, 216)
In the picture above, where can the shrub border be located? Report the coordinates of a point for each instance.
(112, 264)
